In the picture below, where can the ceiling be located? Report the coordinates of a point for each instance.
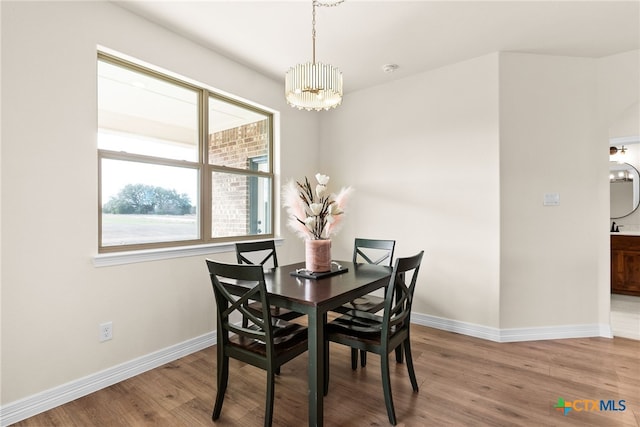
(360, 36)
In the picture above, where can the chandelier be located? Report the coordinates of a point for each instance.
(314, 85)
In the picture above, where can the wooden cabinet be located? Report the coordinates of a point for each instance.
(625, 265)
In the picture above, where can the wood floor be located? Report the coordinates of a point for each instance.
(625, 316)
(463, 381)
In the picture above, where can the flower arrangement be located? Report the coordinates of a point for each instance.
(314, 215)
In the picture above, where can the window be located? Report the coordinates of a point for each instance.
(178, 164)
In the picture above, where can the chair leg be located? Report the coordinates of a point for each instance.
(399, 354)
(268, 411)
(223, 379)
(412, 373)
(363, 358)
(354, 359)
(386, 388)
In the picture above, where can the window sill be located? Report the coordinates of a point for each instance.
(132, 257)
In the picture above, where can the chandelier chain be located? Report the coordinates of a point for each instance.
(313, 32)
(333, 4)
(313, 22)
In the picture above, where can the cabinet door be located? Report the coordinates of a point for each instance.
(617, 270)
(631, 272)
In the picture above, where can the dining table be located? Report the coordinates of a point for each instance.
(288, 288)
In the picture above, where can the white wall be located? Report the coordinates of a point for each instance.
(456, 161)
(627, 125)
(619, 93)
(549, 143)
(53, 298)
(422, 154)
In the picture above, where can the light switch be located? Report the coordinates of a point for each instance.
(551, 199)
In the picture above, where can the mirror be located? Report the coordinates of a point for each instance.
(624, 182)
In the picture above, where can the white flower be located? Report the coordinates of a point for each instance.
(334, 209)
(316, 208)
(322, 179)
(320, 189)
(310, 222)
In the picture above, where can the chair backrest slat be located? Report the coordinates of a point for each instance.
(374, 251)
(265, 248)
(223, 277)
(238, 304)
(399, 295)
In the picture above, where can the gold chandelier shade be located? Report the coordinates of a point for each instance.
(313, 86)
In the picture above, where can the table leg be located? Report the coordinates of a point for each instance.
(316, 368)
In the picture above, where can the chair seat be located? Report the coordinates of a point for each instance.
(360, 326)
(286, 337)
(276, 312)
(370, 303)
(357, 322)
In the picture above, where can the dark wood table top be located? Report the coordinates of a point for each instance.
(306, 295)
(334, 290)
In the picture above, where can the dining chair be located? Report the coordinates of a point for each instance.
(370, 251)
(266, 343)
(262, 253)
(382, 334)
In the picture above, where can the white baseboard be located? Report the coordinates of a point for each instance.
(449, 325)
(556, 332)
(513, 334)
(48, 399)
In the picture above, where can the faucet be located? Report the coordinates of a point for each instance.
(613, 227)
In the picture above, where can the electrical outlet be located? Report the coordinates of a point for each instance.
(105, 332)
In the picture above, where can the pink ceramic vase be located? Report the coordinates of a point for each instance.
(318, 255)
